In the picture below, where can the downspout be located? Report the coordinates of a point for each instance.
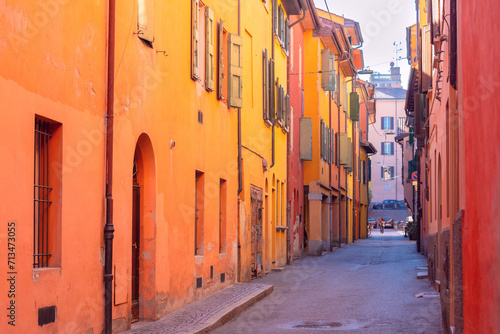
(304, 9)
(330, 169)
(354, 165)
(338, 161)
(109, 228)
(272, 83)
(240, 171)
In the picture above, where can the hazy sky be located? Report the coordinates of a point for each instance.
(382, 22)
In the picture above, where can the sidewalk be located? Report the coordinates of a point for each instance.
(209, 313)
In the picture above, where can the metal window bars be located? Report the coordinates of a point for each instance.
(41, 195)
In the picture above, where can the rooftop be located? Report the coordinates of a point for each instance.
(390, 93)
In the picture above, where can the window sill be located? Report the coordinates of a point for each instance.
(50, 272)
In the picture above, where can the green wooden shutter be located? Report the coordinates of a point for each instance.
(235, 77)
(354, 106)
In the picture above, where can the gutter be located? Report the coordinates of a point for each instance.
(304, 10)
(109, 227)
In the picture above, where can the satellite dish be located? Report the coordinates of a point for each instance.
(392, 64)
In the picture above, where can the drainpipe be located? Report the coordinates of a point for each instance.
(304, 9)
(338, 163)
(272, 83)
(330, 169)
(109, 228)
(354, 170)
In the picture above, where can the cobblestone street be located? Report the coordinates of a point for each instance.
(366, 287)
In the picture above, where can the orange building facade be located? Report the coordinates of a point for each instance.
(148, 151)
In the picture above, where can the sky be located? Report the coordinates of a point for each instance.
(382, 22)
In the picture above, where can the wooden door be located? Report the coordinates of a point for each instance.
(136, 218)
(257, 237)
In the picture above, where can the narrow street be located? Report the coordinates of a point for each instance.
(365, 287)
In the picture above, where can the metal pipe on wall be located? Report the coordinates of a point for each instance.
(109, 227)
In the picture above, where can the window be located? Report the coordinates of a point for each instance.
(47, 169)
(387, 173)
(265, 85)
(145, 20)
(199, 205)
(209, 49)
(387, 148)
(326, 145)
(235, 80)
(365, 175)
(220, 73)
(328, 70)
(387, 123)
(222, 215)
(195, 36)
(401, 125)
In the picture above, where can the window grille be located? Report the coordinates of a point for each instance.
(41, 195)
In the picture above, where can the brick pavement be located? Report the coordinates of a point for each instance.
(208, 313)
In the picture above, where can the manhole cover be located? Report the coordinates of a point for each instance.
(318, 325)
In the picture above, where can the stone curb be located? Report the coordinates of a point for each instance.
(231, 311)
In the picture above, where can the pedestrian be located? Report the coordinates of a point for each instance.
(382, 223)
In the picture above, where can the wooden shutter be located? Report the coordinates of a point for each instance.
(382, 148)
(235, 77)
(354, 106)
(392, 123)
(321, 137)
(145, 19)
(272, 92)
(325, 61)
(287, 112)
(287, 36)
(209, 49)
(278, 101)
(283, 106)
(329, 146)
(220, 44)
(276, 15)
(265, 85)
(305, 133)
(382, 176)
(426, 78)
(392, 148)
(332, 139)
(195, 7)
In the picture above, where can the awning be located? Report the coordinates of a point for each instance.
(370, 149)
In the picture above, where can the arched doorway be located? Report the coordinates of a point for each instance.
(143, 231)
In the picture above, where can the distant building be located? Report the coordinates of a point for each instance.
(387, 163)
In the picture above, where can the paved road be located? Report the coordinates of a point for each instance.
(365, 287)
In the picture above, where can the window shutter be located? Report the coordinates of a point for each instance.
(209, 49)
(281, 25)
(382, 148)
(283, 106)
(265, 85)
(287, 36)
(331, 72)
(272, 91)
(287, 109)
(145, 19)
(195, 7)
(369, 169)
(332, 139)
(321, 136)
(382, 172)
(329, 146)
(391, 119)
(220, 93)
(392, 172)
(392, 148)
(278, 101)
(354, 106)
(275, 8)
(235, 77)
(325, 61)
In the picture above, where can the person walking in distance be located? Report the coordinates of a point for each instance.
(382, 225)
